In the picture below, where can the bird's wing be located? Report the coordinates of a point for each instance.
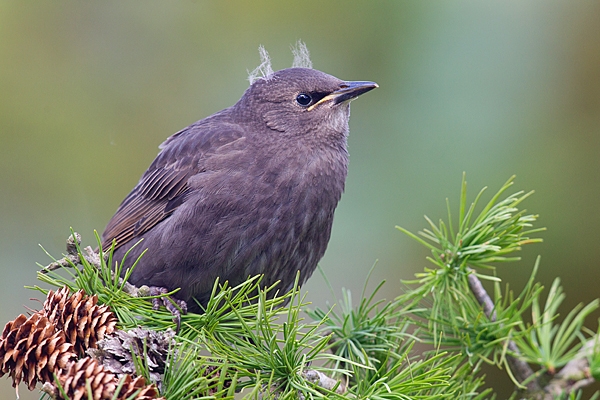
(164, 186)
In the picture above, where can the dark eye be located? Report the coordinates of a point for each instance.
(303, 99)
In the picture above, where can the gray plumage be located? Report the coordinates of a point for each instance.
(249, 190)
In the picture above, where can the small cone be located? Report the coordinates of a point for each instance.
(119, 351)
(81, 319)
(144, 392)
(31, 350)
(102, 384)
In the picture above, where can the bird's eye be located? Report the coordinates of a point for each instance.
(303, 99)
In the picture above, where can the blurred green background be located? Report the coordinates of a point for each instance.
(88, 90)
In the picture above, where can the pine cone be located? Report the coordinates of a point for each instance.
(115, 351)
(214, 373)
(31, 350)
(102, 384)
(79, 317)
(131, 386)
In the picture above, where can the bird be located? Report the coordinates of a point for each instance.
(249, 190)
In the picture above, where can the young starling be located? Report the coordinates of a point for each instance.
(249, 190)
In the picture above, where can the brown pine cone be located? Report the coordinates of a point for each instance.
(131, 386)
(102, 383)
(79, 317)
(31, 350)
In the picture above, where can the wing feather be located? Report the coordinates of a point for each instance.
(164, 186)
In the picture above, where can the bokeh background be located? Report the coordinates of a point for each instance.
(88, 90)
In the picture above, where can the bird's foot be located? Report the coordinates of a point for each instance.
(175, 306)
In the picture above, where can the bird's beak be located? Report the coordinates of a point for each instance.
(348, 91)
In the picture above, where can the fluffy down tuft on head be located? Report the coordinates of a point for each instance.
(301, 55)
(264, 70)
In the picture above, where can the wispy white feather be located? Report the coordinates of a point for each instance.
(301, 55)
(264, 70)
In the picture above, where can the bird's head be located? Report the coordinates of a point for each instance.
(300, 101)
